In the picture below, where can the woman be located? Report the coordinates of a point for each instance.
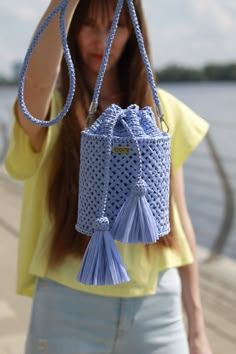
(140, 316)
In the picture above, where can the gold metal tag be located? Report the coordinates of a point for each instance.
(120, 149)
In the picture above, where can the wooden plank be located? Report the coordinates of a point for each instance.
(219, 344)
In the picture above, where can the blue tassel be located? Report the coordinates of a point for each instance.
(135, 222)
(102, 264)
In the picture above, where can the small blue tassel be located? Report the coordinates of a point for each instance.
(102, 264)
(135, 222)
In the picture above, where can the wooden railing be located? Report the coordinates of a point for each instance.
(3, 141)
(229, 203)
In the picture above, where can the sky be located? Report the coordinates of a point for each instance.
(188, 32)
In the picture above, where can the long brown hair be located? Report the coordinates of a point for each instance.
(63, 184)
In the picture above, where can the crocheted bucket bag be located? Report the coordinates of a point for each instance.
(124, 166)
(124, 177)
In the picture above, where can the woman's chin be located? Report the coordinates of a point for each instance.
(94, 67)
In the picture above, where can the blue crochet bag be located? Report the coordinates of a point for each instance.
(124, 166)
(124, 177)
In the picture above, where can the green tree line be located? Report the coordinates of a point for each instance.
(210, 72)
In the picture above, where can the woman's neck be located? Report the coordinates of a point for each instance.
(110, 86)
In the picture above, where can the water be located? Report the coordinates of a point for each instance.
(216, 102)
(7, 97)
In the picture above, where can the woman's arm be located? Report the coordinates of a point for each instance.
(42, 74)
(189, 275)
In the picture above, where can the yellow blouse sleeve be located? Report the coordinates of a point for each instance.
(187, 129)
(21, 160)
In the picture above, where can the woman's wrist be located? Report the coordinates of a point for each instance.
(196, 321)
(71, 5)
(71, 2)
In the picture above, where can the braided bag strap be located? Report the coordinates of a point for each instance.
(61, 8)
(97, 90)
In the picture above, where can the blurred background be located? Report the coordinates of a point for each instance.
(194, 56)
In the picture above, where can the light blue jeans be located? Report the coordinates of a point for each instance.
(66, 321)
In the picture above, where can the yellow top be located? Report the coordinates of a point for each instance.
(187, 130)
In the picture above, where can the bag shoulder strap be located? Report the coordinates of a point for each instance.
(61, 8)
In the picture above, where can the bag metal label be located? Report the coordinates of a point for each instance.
(121, 149)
